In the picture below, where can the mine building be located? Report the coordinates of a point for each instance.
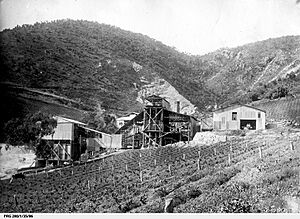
(239, 116)
(72, 138)
(124, 119)
(157, 126)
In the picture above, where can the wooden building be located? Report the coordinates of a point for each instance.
(239, 116)
(157, 125)
(124, 119)
(72, 138)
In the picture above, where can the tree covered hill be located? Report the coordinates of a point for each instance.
(267, 69)
(96, 64)
(92, 62)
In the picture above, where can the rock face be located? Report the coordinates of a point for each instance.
(164, 89)
(13, 158)
(151, 83)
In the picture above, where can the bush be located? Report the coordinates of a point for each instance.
(236, 206)
(162, 192)
(282, 175)
(194, 193)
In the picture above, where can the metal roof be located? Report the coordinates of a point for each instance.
(239, 105)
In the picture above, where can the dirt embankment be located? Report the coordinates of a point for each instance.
(13, 158)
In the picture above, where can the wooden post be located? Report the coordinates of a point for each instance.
(72, 173)
(198, 164)
(183, 156)
(141, 176)
(88, 184)
(260, 152)
(15, 200)
(140, 155)
(215, 151)
(291, 145)
(154, 162)
(169, 168)
(229, 158)
(231, 147)
(140, 166)
(199, 154)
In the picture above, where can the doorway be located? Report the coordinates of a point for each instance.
(250, 124)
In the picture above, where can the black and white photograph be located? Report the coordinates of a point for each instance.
(149, 107)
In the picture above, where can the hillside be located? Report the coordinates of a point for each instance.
(257, 173)
(91, 62)
(82, 65)
(260, 69)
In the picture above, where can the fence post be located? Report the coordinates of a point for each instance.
(199, 154)
(183, 156)
(126, 167)
(198, 164)
(72, 173)
(260, 152)
(114, 181)
(154, 162)
(141, 176)
(169, 168)
(230, 146)
(88, 185)
(229, 159)
(291, 145)
(215, 151)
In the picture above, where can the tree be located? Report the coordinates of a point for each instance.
(101, 121)
(30, 130)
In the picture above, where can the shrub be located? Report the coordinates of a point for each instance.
(236, 206)
(162, 192)
(194, 193)
(282, 175)
(131, 204)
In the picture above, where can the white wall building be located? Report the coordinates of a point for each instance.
(238, 117)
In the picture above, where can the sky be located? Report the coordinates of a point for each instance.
(191, 26)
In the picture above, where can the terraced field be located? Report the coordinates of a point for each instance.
(288, 109)
(212, 178)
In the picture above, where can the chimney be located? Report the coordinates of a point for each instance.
(178, 106)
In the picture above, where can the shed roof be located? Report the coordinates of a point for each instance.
(61, 119)
(236, 106)
(155, 97)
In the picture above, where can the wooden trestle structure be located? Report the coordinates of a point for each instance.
(157, 126)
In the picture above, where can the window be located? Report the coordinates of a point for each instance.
(234, 116)
(259, 115)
